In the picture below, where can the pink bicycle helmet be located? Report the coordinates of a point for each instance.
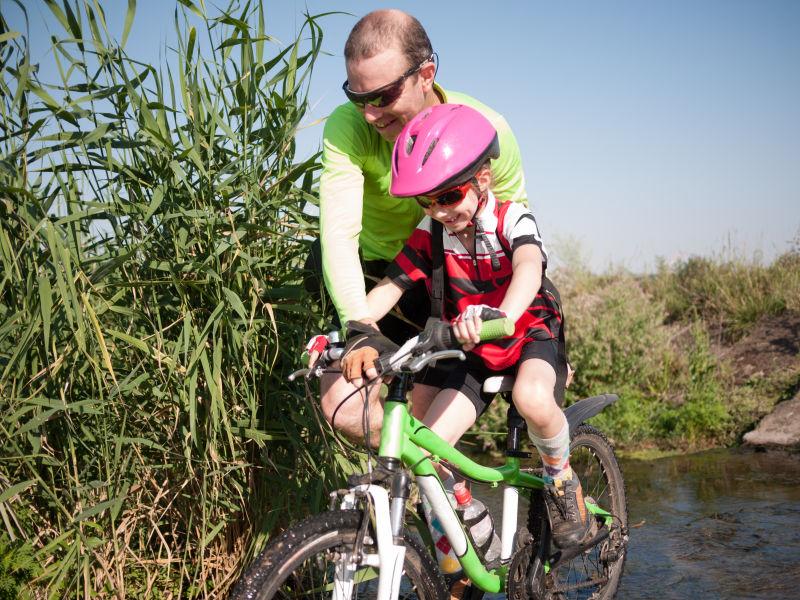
(441, 147)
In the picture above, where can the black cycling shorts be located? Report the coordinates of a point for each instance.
(470, 377)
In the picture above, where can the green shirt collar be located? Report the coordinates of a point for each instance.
(440, 92)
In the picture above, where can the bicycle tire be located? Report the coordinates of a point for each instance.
(592, 458)
(300, 563)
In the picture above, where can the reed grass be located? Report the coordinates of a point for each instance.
(151, 241)
(730, 292)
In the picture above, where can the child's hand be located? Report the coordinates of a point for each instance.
(467, 331)
(467, 326)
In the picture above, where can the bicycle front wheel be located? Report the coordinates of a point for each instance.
(303, 562)
(595, 574)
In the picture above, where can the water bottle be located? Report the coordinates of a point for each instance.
(478, 522)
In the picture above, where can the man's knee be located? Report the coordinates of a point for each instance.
(343, 408)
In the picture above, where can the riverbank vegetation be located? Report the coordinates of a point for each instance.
(698, 351)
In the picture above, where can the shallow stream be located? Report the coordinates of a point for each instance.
(723, 524)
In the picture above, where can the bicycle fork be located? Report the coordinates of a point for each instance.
(389, 538)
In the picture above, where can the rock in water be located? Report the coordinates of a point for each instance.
(779, 428)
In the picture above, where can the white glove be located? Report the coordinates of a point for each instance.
(483, 311)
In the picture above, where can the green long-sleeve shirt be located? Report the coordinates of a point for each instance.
(356, 208)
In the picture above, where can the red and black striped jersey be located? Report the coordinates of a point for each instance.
(507, 225)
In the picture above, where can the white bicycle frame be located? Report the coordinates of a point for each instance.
(390, 557)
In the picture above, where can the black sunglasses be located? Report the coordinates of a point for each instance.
(384, 95)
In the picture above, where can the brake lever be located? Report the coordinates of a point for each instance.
(437, 336)
(421, 361)
(298, 373)
(327, 357)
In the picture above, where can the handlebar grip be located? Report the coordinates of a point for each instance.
(496, 328)
(441, 337)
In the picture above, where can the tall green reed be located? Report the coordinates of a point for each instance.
(152, 240)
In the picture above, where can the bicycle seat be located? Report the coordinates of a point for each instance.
(498, 384)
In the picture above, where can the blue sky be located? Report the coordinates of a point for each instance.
(647, 129)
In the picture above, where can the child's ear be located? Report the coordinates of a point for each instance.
(484, 177)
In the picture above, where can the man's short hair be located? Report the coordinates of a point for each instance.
(382, 29)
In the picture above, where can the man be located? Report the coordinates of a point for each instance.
(390, 78)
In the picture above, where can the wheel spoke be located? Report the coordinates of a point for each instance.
(588, 575)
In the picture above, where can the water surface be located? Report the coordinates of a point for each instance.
(721, 525)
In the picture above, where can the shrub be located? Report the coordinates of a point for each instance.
(673, 392)
(731, 293)
(17, 568)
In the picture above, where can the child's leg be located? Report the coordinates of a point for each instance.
(449, 415)
(534, 398)
(422, 396)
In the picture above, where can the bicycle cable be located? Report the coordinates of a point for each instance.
(366, 387)
(365, 427)
(341, 403)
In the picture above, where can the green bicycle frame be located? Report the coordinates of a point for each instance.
(404, 438)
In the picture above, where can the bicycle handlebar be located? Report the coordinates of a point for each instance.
(436, 341)
(438, 335)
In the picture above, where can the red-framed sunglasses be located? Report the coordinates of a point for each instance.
(449, 197)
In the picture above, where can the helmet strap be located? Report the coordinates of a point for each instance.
(481, 203)
(480, 235)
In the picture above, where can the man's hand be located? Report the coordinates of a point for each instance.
(359, 361)
(467, 325)
(364, 345)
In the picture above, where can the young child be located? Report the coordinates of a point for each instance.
(494, 265)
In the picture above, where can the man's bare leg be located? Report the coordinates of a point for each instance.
(343, 406)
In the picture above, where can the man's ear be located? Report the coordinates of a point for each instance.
(427, 74)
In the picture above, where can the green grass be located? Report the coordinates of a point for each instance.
(729, 292)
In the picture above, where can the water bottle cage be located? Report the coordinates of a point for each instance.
(470, 522)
